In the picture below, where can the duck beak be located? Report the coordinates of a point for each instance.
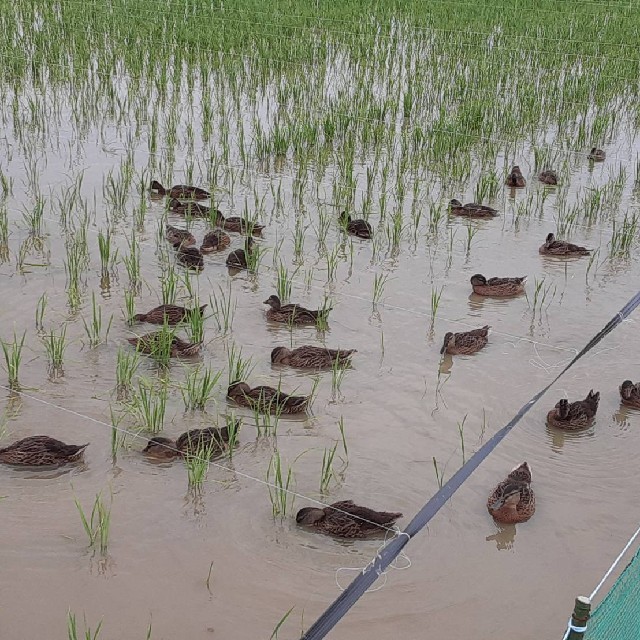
(266, 302)
(442, 350)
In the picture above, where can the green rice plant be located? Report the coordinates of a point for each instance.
(118, 436)
(107, 256)
(487, 187)
(233, 428)
(168, 285)
(130, 306)
(208, 580)
(239, 368)
(280, 482)
(322, 321)
(198, 388)
(284, 282)
(41, 305)
(223, 309)
(254, 257)
(126, 367)
(195, 324)
(379, 282)
(338, 372)
(98, 524)
(4, 233)
(343, 436)
(13, 357)
(197, 463)
(436, 214)
(461, 434)
(161, 344)
(149, 406)
(541, 293)
(72, 629)
(33, 218)
(471, 232)
(274, 634)
(624, 237)
(332, 259)
(132, 262)
(74, 265)
(94, 328)
(55, 344)
(139, 214)
(394, 231)
(327, 472)
(436, 295)
(298, 240)
(439, 473)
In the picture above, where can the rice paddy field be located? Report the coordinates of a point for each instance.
(289, 113)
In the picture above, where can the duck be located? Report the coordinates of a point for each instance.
(359, 228)
(266, 399)
(515, 178)
(180, 237)
(180, 191)
(292, 313)
(310, 357)
(238, 225)
(192, 209)
(597, 155)
(574, 415)
(238, 259)
(553, 247)
(41, 451)
(548, 176)
(497, 287)
(215, 241)
(150, 343)
(471, 210)
(630, 394)
(189, 257)
(513, 500)
(465, 342)
(345, 519)
(191, 442)
(172, 314)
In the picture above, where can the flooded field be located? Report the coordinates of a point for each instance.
(289, 114)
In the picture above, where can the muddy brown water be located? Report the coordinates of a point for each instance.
(401, 407)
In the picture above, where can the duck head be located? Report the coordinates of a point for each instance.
(478, 280)
(273, 301)
(162, 448)
(309, 516)
(279, 355)
(449, 339)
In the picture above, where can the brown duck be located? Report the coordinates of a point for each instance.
(630, 394)
(238, 259)
(292, 313)
(359, 228)
(215, 240)
(189, 443)
(192, 209)
(170, 313)
(41, 451)
(238, 225)
(497, 287)
(513, 500)
(180, 191)
(310, 357)
(465, 342)
(597, 155)
(471, 210)
(150, 343)
(266, 399)
(515, 178)
(548, 177)
(346, 519)
(574, 415)
(553, 247)
(189, 257)
(180, 237)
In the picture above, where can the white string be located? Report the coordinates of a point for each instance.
(177, 451)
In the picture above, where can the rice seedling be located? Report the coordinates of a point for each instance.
(274, 633)
(161, 345)
(98, 524)
(12, 352)
(198, 388)
(541, 293)
(322, 321)
(118, 436)
(284, 282)
(338, 372)
(126, 367)
(379, 282)
(72, 629)
(280, 483)
(4, 233)
(108, 256)
(55, 345)
(343, 436)
(93, 329)
(130, 306)
(439, 473)
(74, 264)
(233, 428)
(461, 434)
(197, 463)
(41, 305)
(223, 309)
(132, 262)
(195, 325)
(327, 473)
(239, 368)
(208, 580)
(471, 232)
(332, 259)
(33, 218)
(298, 241)
(487, 187)
(624, 237)
(168, 285)
(436, 295)
(149, 405)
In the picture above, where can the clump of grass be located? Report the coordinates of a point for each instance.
(379, 282)
(195, 326)
(624, 236)
(126, 367)
(197, 463)
(149, 406)
(280, 481)
(56, 344)
(169, 285)
(284, 282)
(198, 388)
(223, 309)
(233, 427)
(130, 306)
(338, 372)
(98, 524)
(239, 368)
(72, 629)
(12, 352)
(322, 321)
(94, 327)
(107, 255)
(327, 473)
(541, 293)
